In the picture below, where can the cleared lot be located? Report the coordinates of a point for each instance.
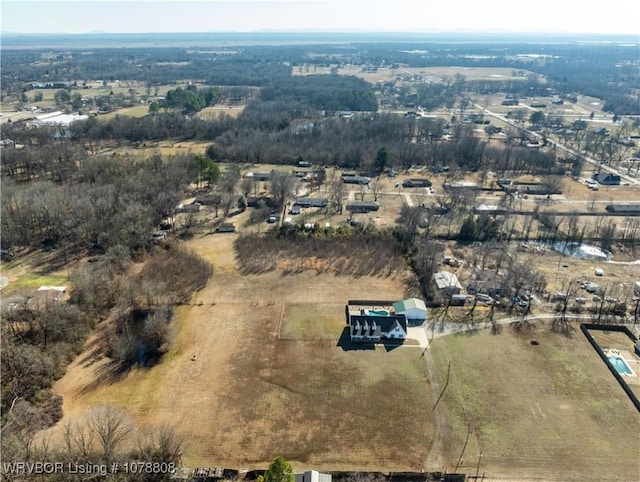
(546, 412)
(247, 396)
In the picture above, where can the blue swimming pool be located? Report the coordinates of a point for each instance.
(378, 313)
(620, 365)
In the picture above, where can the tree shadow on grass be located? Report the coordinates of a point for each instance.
(107, 374)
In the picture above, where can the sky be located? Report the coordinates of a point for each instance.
(144, 16)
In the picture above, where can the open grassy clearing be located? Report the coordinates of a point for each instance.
(305, 322)
(435, 74)
(135, 111)
(28, 271)
(547, 412)
(248, 396)
(218, 110)
(165, 148)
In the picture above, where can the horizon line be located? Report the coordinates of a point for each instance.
(339, 31)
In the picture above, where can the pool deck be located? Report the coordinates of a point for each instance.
(631, 359)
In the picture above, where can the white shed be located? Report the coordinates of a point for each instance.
(413, 309)
(313, 476)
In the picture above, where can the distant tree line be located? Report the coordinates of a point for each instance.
(113, 201)
(607, 71)
(322, 92)
(189, 100)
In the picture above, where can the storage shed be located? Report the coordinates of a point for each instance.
(413, 309)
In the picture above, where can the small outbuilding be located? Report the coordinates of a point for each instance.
(313, 476)
(413, 309)
(226, 228)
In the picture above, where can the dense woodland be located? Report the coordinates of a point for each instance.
(63, 196)
(599, 69)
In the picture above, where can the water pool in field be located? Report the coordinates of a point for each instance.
(378, 313)
(620, 365)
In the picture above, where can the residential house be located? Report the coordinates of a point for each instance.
(367, 328)
(363, 180)
(362, 206)
(607, 179)
(259, 176)
(416, 182)
(188, 208)
(312, 202)
(622, 208)
(447, 283)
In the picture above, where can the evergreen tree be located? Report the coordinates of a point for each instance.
(468, 230)
(279, 471)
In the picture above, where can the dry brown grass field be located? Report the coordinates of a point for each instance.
(434, 74)
(218, 110)
(256, 370)
(546, 412)
(248, 396)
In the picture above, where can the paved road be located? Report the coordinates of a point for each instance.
(560, 146)
(434, 329)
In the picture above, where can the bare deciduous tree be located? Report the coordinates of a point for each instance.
(110, 426)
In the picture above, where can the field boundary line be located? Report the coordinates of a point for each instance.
(278, 334)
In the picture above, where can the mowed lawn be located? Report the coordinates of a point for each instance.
(240, 396)
(303, 321)
(546, 412)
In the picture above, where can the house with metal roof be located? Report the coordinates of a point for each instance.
(624, 208)
(416, 182)
(312, 202)
(313, 476)
(414, 309)
(363, 180)
(362, 206)
(447, 282)
(607, 179)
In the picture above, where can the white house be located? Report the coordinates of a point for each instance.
(447, 282)
(413, 309)
(365, 328)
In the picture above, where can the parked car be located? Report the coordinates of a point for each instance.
(483, 298)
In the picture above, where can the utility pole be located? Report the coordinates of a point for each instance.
(478, 467)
